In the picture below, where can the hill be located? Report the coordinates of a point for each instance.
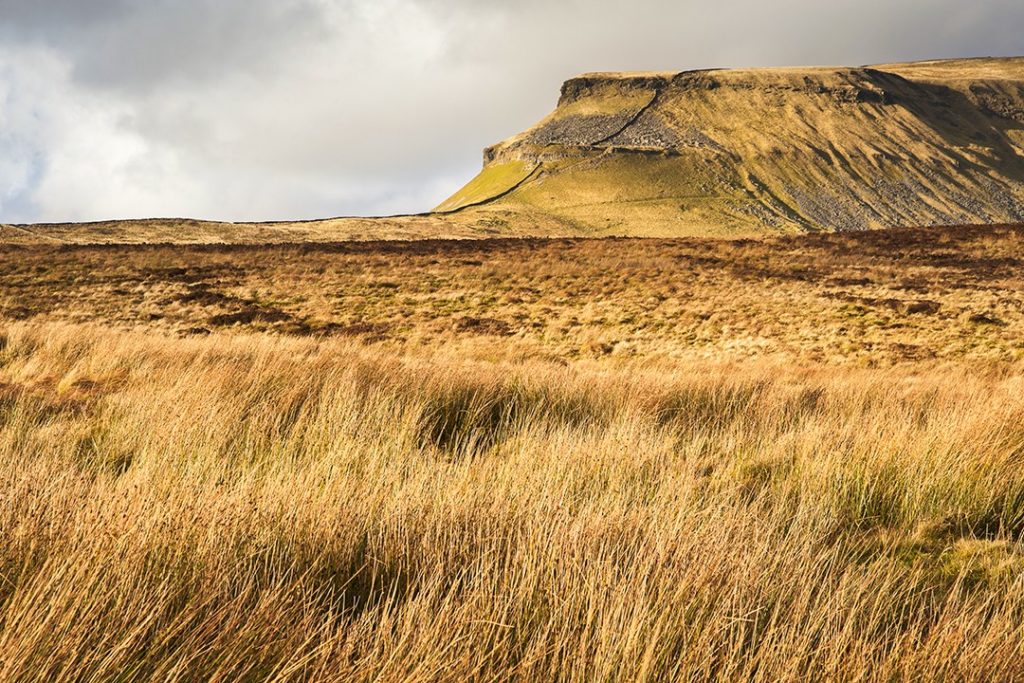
(712, 152)
(750, 151)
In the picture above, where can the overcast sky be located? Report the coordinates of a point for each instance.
(272, 109)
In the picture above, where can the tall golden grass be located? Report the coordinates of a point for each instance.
(252, 507)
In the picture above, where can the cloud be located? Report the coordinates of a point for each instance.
(266, 109)
(135, 45)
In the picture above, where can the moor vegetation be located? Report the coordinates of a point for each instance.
(785, 459)
(877, 297)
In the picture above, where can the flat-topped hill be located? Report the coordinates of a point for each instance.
(767, 150)
(737, 152)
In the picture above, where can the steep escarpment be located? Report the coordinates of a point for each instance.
(750, 151)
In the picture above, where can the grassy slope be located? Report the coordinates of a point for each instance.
(491, 182)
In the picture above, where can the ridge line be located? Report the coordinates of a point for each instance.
(495, 197)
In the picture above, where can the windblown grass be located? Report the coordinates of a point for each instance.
(254, 507)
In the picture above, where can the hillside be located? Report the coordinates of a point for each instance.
(777, 150)
(459, 225)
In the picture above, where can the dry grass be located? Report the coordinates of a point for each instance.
(241, 506)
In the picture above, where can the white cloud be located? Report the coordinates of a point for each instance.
(69, 155)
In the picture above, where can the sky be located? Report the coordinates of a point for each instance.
(290, 109)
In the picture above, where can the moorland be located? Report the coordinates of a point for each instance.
(515, 459)
(645, 400)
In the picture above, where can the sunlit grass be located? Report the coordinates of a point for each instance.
(247, 506)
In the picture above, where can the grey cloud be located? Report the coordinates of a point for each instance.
(140, 44)
(32, 18)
